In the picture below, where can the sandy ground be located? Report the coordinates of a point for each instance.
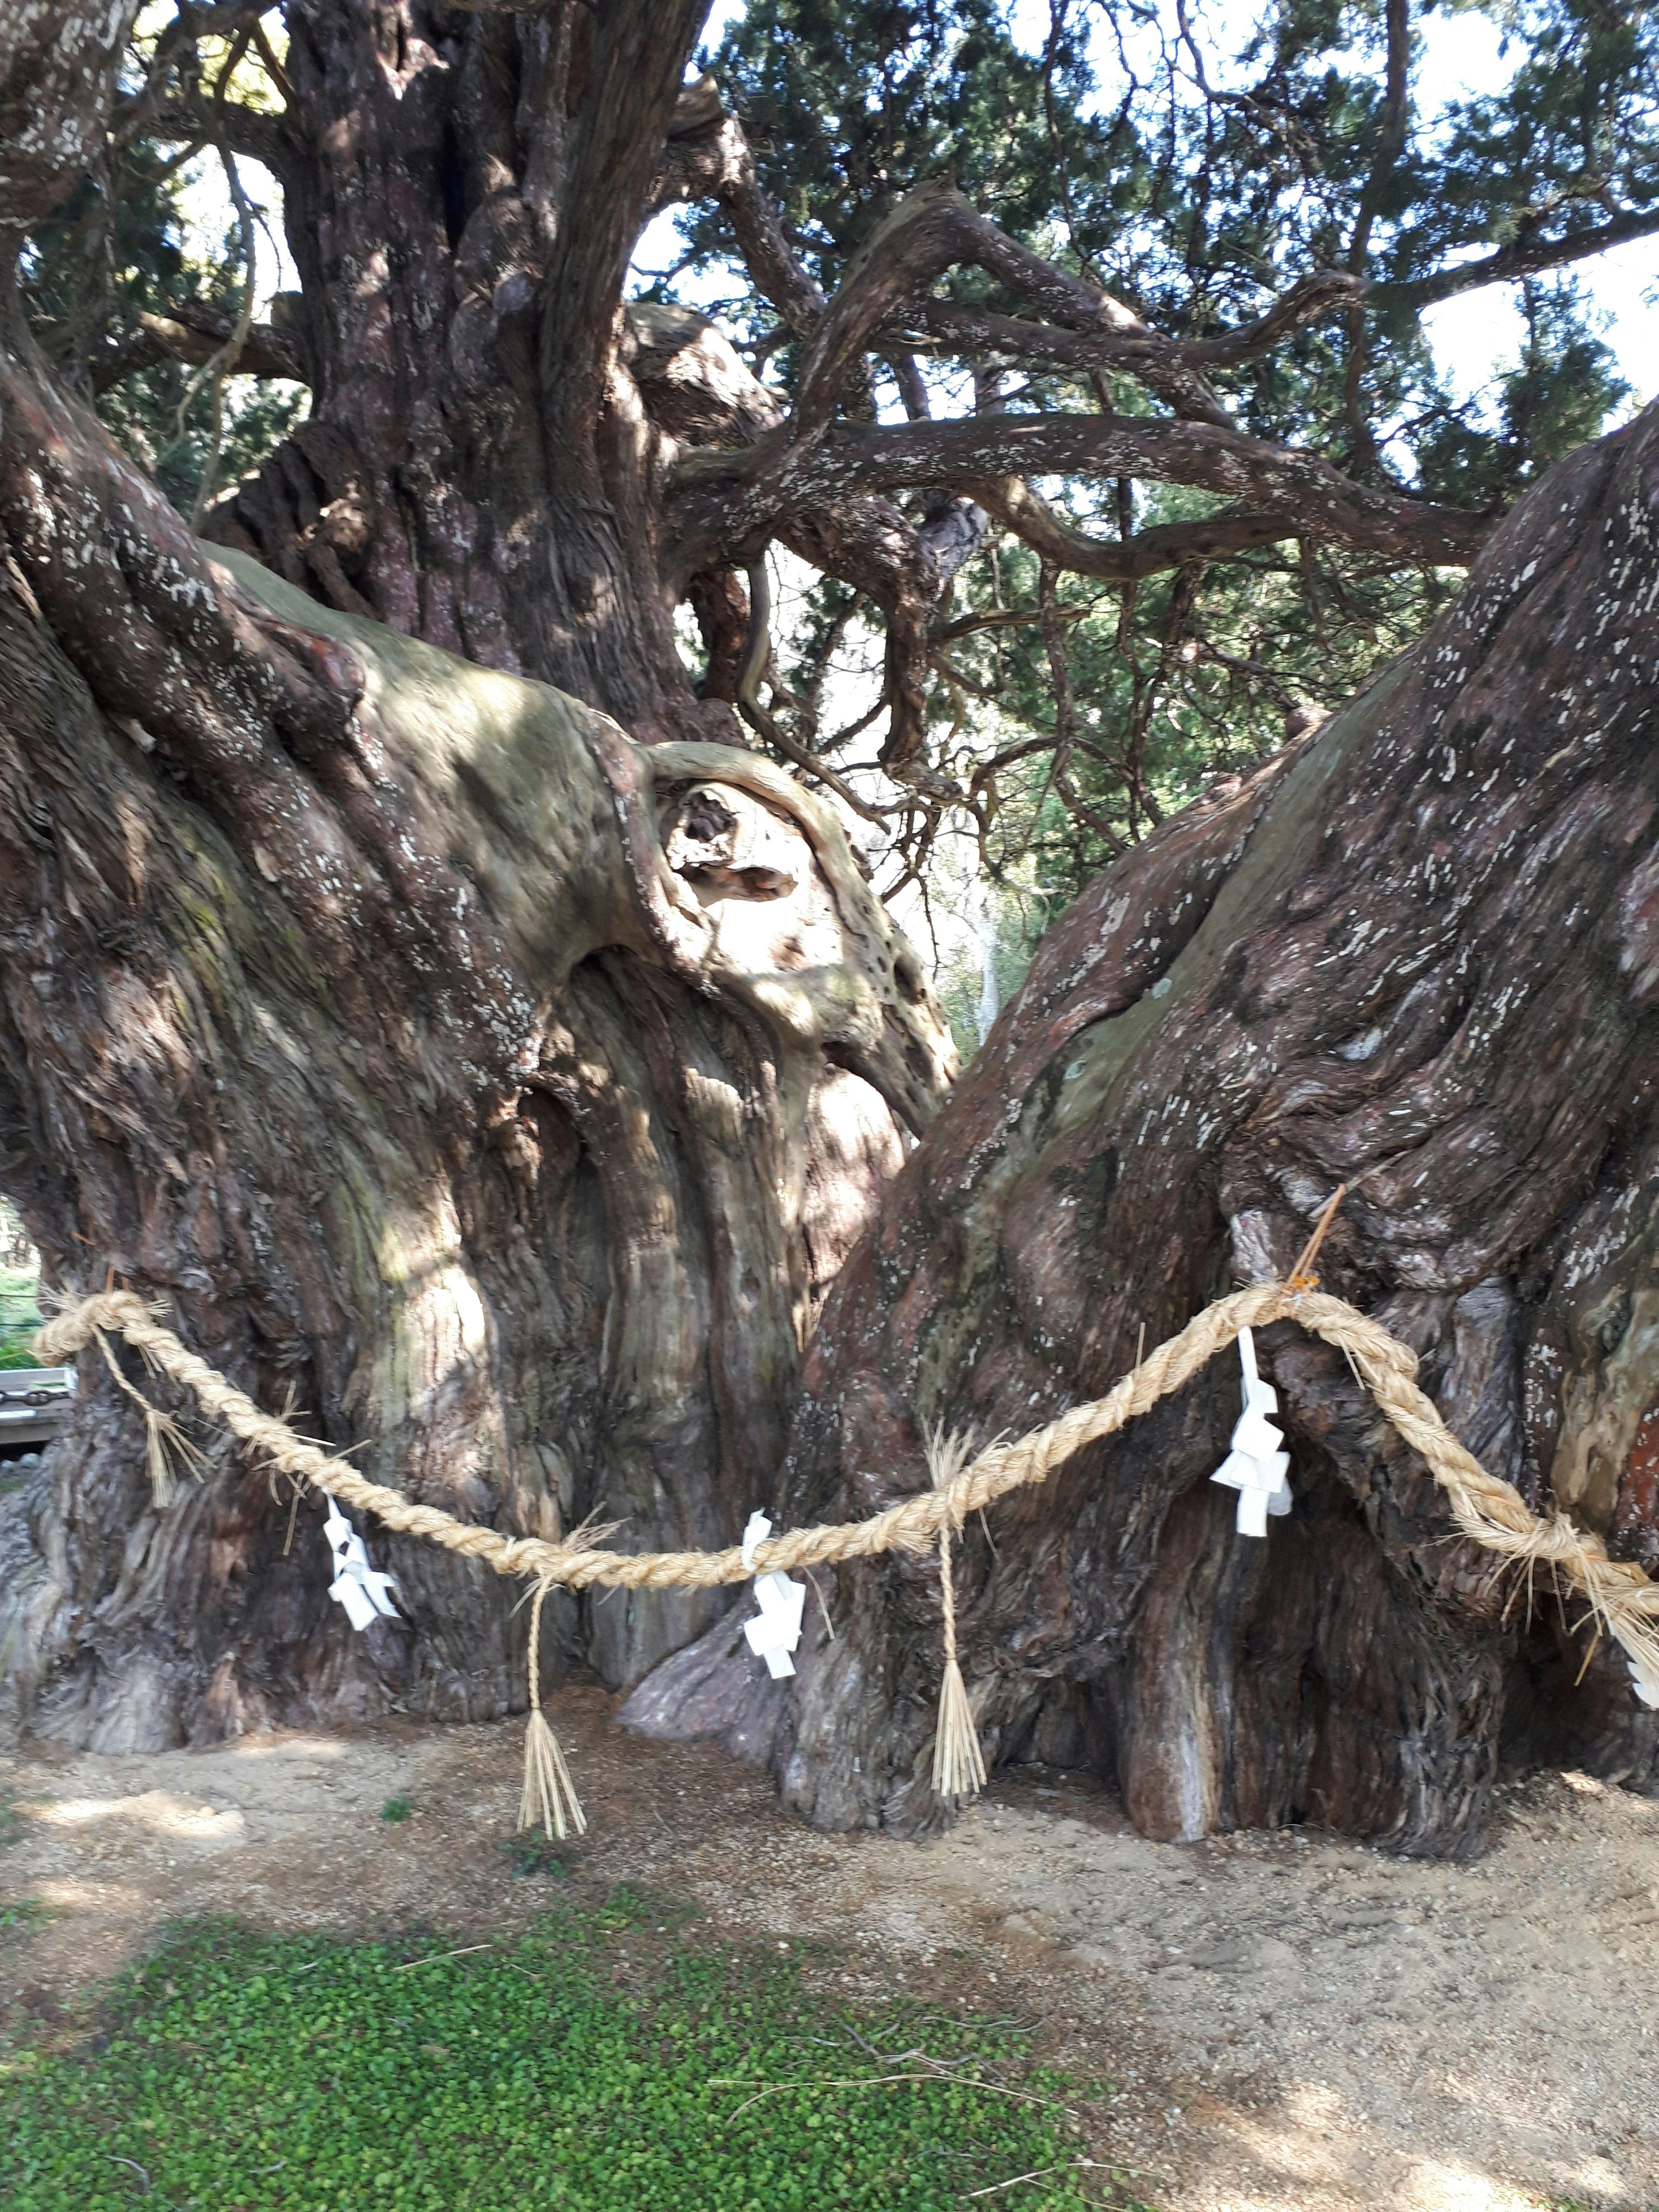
(1289, 2020)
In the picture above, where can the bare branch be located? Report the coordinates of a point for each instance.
(1526, 256)
(193, 334)
(935, 229)
(728, 497)
(968, 329)
(708, 157)
(137, 117)
(1125, 560)
(248, 130)
(1002, 618)
(868, 543)
(758, 654)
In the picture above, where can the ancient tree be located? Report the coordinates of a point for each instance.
(417, 979)
(1416, 954)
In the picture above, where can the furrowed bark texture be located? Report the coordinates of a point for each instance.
(500, 1088)
(508, 1084)
(1419, 952)
(502, 1094)
(462, 193)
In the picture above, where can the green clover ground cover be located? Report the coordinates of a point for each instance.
(585, 2065)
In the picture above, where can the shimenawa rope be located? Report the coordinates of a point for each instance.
(1619, 1598)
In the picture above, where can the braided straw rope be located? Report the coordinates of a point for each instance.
(1619, 1597)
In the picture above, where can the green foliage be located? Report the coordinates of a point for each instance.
(588, 2064)
(1101, 149)
(398, 1808)
(850, 103)
(25, 1917)
(123, 246)
(1196, 182)
(1556, 397)
(532, 1851)
(1173, 687)
(19, 1308)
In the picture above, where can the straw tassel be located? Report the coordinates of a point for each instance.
(958, 1766)
(549, 1795)
(162, 1438)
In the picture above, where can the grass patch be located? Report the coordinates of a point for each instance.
(398, 1808)
(11, 1820)
(532, 1851)
(591, 2064)
(25, 1916)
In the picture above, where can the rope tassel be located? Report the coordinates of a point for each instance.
(958, 1765)
(162, 1438)
(549, 1795)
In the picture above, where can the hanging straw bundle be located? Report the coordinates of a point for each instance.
(163, 1438)
(958, 1768)
(549, 1795)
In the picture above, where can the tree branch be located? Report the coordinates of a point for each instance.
(757, 658)
(1522, 257)
(965, 329)
(1124, 561)
(935, 229)
(250, 130)
(726, 498)
(708, 157)
(136, 116)
(869, 544)
(194, 334)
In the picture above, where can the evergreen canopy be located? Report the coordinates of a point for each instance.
(1276, 194)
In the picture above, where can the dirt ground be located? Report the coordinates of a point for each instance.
(1288, 2020)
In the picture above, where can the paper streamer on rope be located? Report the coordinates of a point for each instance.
(776, 1630)
(1257, 1465)
(356, 1586)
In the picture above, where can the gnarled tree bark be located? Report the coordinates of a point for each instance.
(499, 1092)
(510, 1083)
(1418, 952)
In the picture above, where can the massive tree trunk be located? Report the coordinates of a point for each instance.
(509, 1085)
(504, 1091)
(479, 470)
(1418, 952)
(499, 1088)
